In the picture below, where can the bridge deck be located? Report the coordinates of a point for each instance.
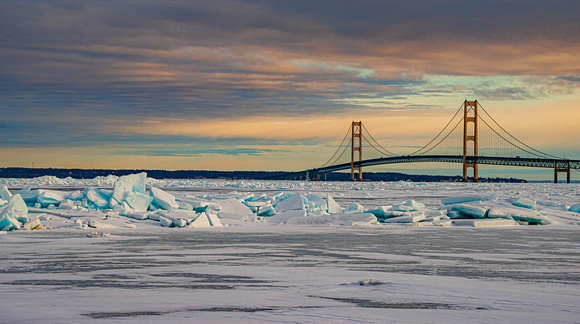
(510, 161)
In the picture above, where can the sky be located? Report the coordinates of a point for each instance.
(274, 85)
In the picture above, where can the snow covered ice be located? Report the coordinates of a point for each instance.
(133, 248)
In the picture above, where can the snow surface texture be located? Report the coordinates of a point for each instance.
(135, 249)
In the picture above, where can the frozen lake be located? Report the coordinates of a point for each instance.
(255, 271)
(293, 274)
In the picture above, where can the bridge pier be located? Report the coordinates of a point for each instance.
(558, 170)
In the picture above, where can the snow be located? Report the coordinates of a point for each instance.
(335, 219)
(484, 222)
(286, 251)
(464, 199)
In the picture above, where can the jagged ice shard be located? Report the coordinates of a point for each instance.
(126, 185)
(163, 199)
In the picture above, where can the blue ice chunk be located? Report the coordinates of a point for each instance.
(283, 217)
(280, 197)
(180, 222)
(381, 211)
(8, 223)
(5, 193)
(179, 218)
(77, 194)
(332, 207)
(410, 205)
(214, 220)
(141, 215)
(469, 211)
(266, 211)
(124, 209)
(255, 198)
(294, 202)
(28, 195)
(14, 213)
(317, 201)
(527, 215)
(18, 204)
(254, 205)
(433, 215)
(97, 197)
(407, 219)
(453, 214)
(128, 184)
(523, 202)
(183, 205)
(139, 202)
(201, 221)
(163, 199)
(575, 208)
(355, 207)
(165, 222)
(49, 197)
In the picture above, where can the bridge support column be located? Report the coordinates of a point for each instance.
(557, 170)
(467, 138)
(356, 146)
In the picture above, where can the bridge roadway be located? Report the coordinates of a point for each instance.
(521, 162)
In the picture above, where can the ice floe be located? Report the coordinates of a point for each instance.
(124, 202)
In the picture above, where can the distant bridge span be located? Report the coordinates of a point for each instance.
(314, 174)
(494, 139)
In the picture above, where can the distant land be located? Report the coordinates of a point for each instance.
(233, 175)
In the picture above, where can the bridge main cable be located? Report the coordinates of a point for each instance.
(543, 154)
(434, 138)
(385, 151)
(338, 149)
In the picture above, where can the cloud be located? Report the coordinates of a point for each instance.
(75, 73)
(143, 151)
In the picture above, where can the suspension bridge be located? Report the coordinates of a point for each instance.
(483, 141)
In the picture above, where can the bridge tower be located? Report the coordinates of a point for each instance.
(467, 138)
(356, 132)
